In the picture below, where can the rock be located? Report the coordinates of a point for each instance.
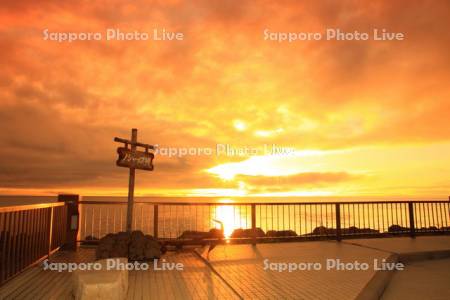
(280, 233)
(135, 246)
(152, 249)
(137, 235)
(397, 228)
(322, 230)
(238, 233)
(136, 249)
(215, 233)
(100, 284)
(259, 232)
(123, 237)
(353, 230)
(248, 233)
(121, 242)
(105, 246)
(194, 235)
(426, 229)
(350, 230)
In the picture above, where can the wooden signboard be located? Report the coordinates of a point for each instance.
(138, 160)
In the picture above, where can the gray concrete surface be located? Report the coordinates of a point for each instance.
(428, 279)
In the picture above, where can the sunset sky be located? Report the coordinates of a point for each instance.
(359, 118)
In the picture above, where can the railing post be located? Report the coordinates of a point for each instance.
(253, 210)
(72, 220)
(155, 221)
(50, 232)
(412, 227)
(338, 222)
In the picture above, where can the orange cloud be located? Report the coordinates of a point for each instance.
(310, 178)
(62, 103)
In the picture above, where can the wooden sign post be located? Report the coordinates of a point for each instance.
(133, 159)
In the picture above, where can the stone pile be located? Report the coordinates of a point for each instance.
(322, 230)
(248, 233)
(281, 233)
(134, 246)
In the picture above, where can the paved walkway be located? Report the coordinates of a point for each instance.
(238, 271)
(421, 280)
(243, 267)
(196, 281)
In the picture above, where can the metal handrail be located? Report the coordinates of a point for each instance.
(29, 233)
(168, 220)
(29, 206)
(262, 203)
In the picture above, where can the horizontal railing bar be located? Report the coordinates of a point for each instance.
(4, 209)
(298, 237)
(257, 203)
(121, 140)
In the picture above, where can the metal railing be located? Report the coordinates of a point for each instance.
(276, 220)
(29, 233)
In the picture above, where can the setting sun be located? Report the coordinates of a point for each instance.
(226, 215)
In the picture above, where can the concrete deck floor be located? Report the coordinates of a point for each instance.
(237, 271)
(243, 267)
(406, 245)
(421, 280)
(196, 281)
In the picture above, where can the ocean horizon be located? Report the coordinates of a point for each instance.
(12, 200)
